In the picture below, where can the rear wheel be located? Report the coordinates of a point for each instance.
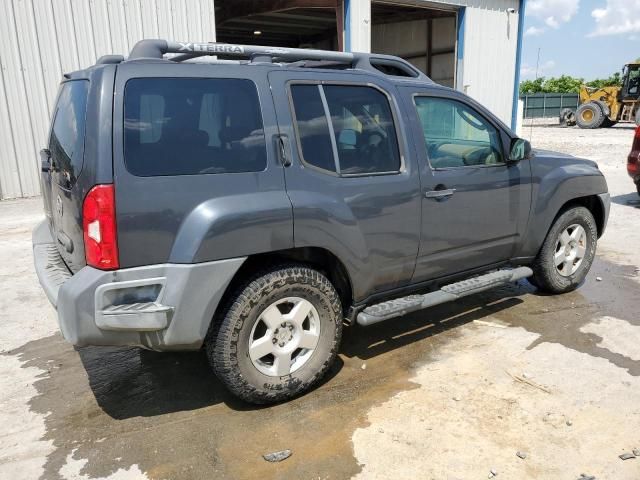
(278, 336)
(567, 253)
(590, 115)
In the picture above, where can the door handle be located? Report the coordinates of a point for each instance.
(45, 160)
(284, 149)
(440, 194)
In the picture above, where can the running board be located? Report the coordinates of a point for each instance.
(402, 306)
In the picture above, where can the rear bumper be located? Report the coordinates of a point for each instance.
(161, 307)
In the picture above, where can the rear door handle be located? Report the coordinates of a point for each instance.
(45, 160)
(284, 149)
(440, 194)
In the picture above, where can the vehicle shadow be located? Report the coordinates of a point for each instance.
(131, 382)
(378, 339)
(628, 200)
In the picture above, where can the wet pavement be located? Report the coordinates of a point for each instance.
(167, 414)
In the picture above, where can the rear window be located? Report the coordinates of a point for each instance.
(189, 126)
(67, 135)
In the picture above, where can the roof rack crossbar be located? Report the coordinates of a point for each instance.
(187, 50)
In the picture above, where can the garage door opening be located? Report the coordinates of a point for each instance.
(282, 23)
(426, 37)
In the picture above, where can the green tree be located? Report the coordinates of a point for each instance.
(529, 87)
(614, 80)
(562, 84)
(566, 84)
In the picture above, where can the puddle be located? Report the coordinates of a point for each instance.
(167, 415)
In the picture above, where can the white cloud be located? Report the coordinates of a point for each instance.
(528, 71)
(533, 31)
(554, 12)
(617, 17)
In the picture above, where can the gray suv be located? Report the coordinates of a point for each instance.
(253, 200)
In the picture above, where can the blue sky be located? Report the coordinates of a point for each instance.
(582, 38)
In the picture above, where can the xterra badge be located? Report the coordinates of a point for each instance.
(211, 48)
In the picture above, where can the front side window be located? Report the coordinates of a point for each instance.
(346, 128)
(189, 126)
(456, 135)
(67, 135)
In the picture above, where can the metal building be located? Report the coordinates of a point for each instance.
(472, 45)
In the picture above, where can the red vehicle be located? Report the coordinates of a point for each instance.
(633, 161)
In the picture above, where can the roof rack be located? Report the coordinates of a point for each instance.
(380, 64)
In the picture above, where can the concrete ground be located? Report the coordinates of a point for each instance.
(453, 392)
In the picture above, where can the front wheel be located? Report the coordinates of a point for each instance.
(590, 115)
(567, 253)
(279, 335)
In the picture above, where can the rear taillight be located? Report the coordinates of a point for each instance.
(99, 228)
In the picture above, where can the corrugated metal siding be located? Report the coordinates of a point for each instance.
(490, 39)
(42, 39)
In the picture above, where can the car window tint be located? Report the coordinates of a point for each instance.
(188, 126)
(364, 130)
(312, 127)
(456, 135)
(67, 135)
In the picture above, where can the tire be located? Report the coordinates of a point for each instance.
(569, 275)
(607, 122)
(567, 117)
(263, 308)
(590, 115)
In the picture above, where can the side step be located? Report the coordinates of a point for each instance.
(402, 306)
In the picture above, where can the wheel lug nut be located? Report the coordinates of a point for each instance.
(290, 327)
(273, 340)
(283, 324)
(281, 344)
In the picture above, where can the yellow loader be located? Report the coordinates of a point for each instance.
(604, 107)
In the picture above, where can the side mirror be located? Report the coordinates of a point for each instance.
(520, 150)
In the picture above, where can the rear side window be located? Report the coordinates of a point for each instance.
(364, 130)
(313, 127)
(67, 135)
(189, 126)
(346, 129)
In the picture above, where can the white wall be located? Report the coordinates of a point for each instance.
(359, 36)
(490, 47)
(42, 39)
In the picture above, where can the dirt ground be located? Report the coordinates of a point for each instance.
(453, 392)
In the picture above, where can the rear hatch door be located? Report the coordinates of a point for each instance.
(61, 193)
